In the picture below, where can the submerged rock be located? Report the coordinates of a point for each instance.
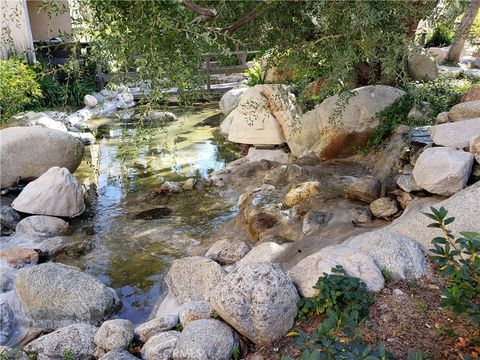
(19, 257)
(206, 339)
(193, 278)
(75, 340)
(41, 226)
(157, 213)
(27, 152)
(443, 171)
(258, 300)
(55, 294)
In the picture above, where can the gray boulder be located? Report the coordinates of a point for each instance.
(228, 251)
(259, 300)
(407, 183)
(195, 310)
(90, 101)
(55, 294)
(305, 273)
(52, 247)
(456, 134)
(40, 226)
(45, 121)
(422, 67)
(7, 321)
(9, 219)
(7, 353)
(207, 339)
(118, 354)
(55, 193)
(152, 327)
(193, 278)
(230, 100)
(443, 171)
(27, 152)
(75, 340)
(160, 346)
(114, 334)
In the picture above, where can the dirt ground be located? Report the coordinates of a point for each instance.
(406, 317)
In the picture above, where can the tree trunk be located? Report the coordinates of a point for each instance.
(462, 31)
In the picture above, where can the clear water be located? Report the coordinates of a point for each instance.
(132, 255)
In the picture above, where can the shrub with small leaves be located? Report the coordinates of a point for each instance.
(458, 259)
(254, 74)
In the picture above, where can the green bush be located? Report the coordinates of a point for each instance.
(18, 87)
(458, 259)
(254, 75)
(440, 36)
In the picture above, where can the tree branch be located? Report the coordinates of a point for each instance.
(241, 21)
(205, 13)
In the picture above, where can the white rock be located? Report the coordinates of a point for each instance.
(306, 273)
(278, 156)
(443, 171)
(27, 152)
(456, 134)
(230, 100)
(193, 278)
(55, 193)
(266, 251)
(114, 334)
(90, 101)
(47, 122)
(207, 339)
(152, 327)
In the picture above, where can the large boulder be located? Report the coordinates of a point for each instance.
(193, 278)
(455, 134)
(259, 300)
(341, 122)
(55, 193)
(471, 95)
(27, 152)
(422, 67)
(55, 294)
(262, 116)
(230, 100)
(40, 226)
(75, 340)
(443, 171)
(464, 111)
(306, 273)
(206, 339)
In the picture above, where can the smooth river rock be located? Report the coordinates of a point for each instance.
(258, 300)
(75, 340)
(230, 100)
(193, 278)
(206, 339)
(114, 334)
(41, 226)
(27, 152)
(54, 294)
(366, 189)
(384, 207)
(55, 193)
(152, 327)
(160, 346)
(228, 251)
(442, 170)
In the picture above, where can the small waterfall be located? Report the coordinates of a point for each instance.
(389, 157)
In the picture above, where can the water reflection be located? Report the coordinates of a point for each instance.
(131, 254)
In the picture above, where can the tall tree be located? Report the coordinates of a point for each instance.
(462, 30)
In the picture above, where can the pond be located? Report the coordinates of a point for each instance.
(129, 159)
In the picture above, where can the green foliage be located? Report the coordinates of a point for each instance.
(440, 95)
(345, 302)
(254, 75)
(419, 355)
(458, 259)
(338, 292)
(440, 36)
(67, 354)
(66, 85)
(18, 87)
(236, 354)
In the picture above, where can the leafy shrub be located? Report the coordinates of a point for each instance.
(459, 260)
(440, 36)
(66, 85)
(254, 75)
(345, 302)
(18, 87)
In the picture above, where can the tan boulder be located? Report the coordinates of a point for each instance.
(471, 95)
(475, 147)
(300, 192)
(422, 67)
(341, 123)
(55, 193)
(465, 110)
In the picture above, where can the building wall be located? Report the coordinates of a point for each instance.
(15, 28)
(45, 27)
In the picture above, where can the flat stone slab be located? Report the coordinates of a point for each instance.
(455, 134)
